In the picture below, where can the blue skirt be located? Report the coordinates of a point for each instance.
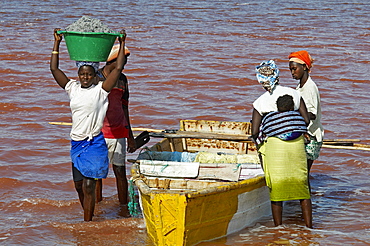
(91, 157)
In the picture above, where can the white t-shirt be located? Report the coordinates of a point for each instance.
(88, 106)
(311, 96)
(267, 102)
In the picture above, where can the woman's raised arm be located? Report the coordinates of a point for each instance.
(58, 74)
(113, 76)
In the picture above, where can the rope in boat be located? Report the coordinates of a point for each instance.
(237, 167)
(133, 204)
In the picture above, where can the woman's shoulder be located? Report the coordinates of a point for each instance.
(122, 82)
(282, 90)
(309, 87)
(262, 97)
(71, 83)
(311, 83)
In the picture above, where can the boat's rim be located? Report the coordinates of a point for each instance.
(249, 184)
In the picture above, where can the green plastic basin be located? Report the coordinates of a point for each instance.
(89, 46)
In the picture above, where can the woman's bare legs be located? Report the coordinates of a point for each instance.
(306, 206)
(88, 188)
(78, 187)
(277, 212)
(99, 190)
(122, 188)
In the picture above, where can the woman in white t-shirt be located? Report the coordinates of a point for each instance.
(284, 161)
(88, 102)
(300, 64)
(268, 76)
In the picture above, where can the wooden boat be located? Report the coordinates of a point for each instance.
(185, 203)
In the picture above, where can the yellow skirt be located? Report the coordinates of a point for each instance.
(285, 167)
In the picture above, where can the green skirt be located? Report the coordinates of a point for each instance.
(285, 167)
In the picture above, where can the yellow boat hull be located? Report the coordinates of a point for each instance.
(187, 217)
(186, 211)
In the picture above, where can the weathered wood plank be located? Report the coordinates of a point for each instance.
(201, 135)
(230, 172)
(171, 169)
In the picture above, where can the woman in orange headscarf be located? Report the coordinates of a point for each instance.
(300, 64)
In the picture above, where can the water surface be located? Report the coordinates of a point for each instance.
(189, 60)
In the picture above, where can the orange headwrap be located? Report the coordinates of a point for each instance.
(114, 52)
(301, 57)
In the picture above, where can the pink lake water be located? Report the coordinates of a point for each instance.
(189, 60)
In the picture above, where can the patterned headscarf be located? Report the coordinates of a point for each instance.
(268, 72)
(301, 57)
(95, 65)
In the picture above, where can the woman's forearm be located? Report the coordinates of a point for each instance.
(256, 121)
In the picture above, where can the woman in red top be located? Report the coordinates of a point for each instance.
(116, 129)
